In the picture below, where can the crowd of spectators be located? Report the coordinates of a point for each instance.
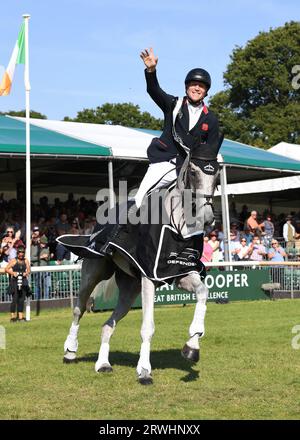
(49, 221)
(256, 238)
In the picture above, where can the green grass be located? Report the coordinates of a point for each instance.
(248, 368)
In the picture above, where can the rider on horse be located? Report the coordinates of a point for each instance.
(188, 127)
(195, 126)
(190, 135)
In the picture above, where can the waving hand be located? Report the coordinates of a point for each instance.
(150, 60)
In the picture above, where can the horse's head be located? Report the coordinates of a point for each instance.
(197, 181)
(202, 175)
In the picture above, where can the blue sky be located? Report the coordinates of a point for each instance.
(86, 53)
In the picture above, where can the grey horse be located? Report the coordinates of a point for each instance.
(130, 285)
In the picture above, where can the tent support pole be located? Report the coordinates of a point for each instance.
(225, 213)
(111, 184)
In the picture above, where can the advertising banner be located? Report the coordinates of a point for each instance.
(237, 285)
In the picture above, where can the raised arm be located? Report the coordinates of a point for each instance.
(159, 96)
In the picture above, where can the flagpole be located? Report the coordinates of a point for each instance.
(28, 170)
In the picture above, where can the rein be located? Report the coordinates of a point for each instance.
(182, 177)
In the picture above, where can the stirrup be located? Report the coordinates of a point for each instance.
(107, 250)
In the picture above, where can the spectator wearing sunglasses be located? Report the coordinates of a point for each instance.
(10, 232)
(244, 251)
(276, 252)
(257, 250)
(234, 246)
(7, 246)
(19, 270)
(11, 235)
(75, 227)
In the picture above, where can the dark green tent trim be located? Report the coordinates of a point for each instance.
(43, 141)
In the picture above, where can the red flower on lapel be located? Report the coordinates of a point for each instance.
(204, 127)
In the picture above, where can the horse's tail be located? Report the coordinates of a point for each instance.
(109, 288)
(105, 289)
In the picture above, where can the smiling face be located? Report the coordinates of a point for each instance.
(21, 254)
(196, 91)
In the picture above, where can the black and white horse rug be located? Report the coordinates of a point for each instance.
(160, 250)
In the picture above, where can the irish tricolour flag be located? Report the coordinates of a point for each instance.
(17, 57)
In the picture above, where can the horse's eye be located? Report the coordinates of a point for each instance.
(193, 172)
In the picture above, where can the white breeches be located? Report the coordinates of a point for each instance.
(157, 176)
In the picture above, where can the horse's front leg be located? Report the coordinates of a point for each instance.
(193, 283)
(147, 331)
(90, 277)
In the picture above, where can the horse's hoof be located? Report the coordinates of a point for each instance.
(190, 354)
(146, 381)
(69, 361)
(145, 378)
(70, 357)
(105, 368)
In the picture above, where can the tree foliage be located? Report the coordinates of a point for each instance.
(22, 113)
(260, 104)
(125, 114)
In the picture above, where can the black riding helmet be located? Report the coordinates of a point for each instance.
(198, 75)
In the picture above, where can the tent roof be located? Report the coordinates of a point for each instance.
(236, 153)
(276, 185)
(285, 149)
(73, 140)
